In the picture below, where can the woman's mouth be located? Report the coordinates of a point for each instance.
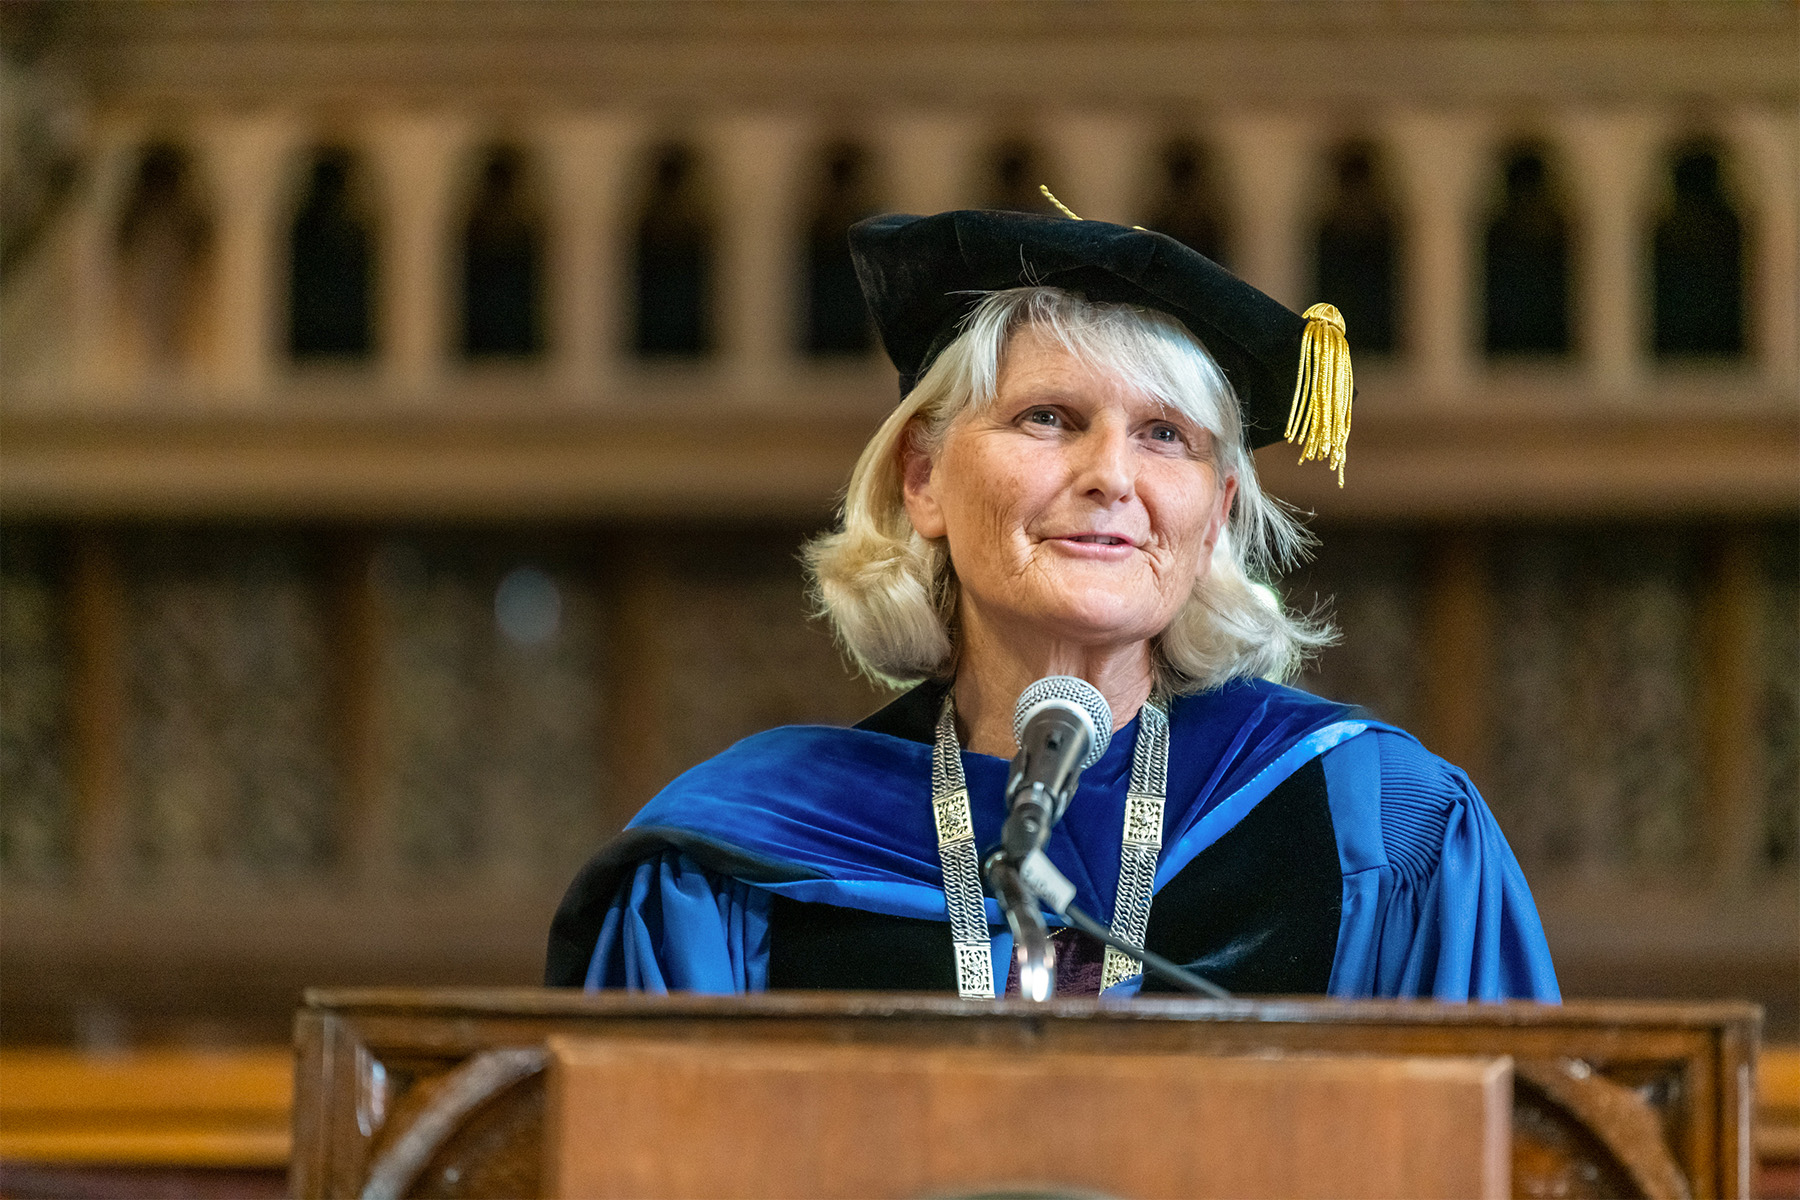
(1102, 547)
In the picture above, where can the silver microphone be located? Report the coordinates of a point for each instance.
(1063, 725)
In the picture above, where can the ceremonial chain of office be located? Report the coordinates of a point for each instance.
(964, 898)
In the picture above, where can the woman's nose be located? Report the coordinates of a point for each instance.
(1106, 471)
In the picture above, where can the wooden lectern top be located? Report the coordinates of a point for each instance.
(443, 1092)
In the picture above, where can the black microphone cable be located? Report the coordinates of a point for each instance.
(1180, 976)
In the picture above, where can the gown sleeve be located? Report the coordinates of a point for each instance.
(1435, 904)
(676, 926)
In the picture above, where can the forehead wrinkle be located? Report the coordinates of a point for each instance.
(1103, 359)
(1129, 349)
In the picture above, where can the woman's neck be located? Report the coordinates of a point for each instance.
(991, 672)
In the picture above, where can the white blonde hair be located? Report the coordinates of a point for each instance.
(891, 594)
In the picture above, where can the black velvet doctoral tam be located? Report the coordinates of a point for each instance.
(923, 275)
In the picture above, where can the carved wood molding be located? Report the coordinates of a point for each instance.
(473, 1084)
(1616, 1116)
(383, 463)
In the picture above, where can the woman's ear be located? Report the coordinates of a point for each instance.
(917, 485)
(1215, 524)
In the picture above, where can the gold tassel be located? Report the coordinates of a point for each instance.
(1064, 209)
(1068, 212)
(1319, 419)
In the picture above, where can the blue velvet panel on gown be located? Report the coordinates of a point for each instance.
(1434, 904)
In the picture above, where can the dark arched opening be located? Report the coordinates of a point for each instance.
(1527, 262)
(837, 319)
(331, 265)
(674, 261)
(1698, 262)
(1187, 205)
(1357, 250)
(503, 262)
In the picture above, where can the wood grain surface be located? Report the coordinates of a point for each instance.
(633, 1119)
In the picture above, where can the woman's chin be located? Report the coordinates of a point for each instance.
(1097, 626)
(1076, 605)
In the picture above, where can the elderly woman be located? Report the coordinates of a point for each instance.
(1067, 488)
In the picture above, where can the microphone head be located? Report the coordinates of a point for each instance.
(1075, 695)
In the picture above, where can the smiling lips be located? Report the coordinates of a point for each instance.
(1107, 545)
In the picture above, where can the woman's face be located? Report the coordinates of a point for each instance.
(1075, 506)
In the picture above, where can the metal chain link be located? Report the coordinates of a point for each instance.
(1144, 804)
(963, 898)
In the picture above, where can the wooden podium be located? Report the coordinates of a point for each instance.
(537, 1092)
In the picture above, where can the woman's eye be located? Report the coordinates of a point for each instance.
(1047, 417)
(1166, 433)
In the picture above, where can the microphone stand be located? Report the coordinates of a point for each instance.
(1031, 937)
(1030, 814)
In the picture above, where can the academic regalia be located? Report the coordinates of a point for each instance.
(1307, 849)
